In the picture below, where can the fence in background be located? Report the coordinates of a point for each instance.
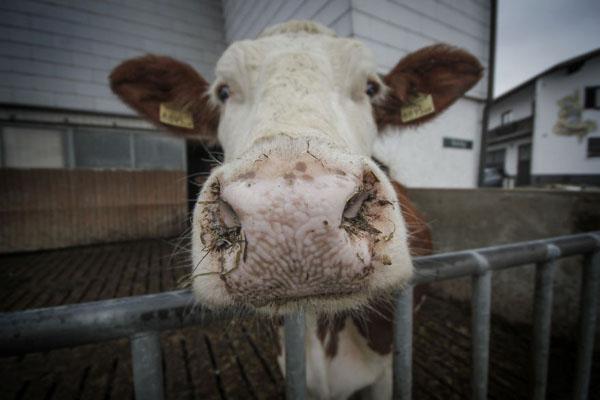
(141, 319)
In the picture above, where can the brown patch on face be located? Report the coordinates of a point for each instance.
(247, 175)
(340, 172)
(301, 166)
(333, 326)
(307, 177)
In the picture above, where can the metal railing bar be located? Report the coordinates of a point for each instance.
(77, 324)
(542, 322)
(295, 363)
(146, 360)
(403, 331)
(590, 281)
(71, 325)
(481, 298)
(459, 264)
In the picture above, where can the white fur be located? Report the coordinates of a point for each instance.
(298, 87)
(354, 367)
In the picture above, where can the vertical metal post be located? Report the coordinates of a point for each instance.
(542, 322)
(590, 281)
(481, 297)
(147, 366)
(490, 90)
(295, 363)
(403, 329)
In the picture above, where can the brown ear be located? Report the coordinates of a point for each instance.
(168, 93)
(443, 72)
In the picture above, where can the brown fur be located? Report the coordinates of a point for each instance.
(441, 70)
(333, 326)
(376, 325)
(145, 82)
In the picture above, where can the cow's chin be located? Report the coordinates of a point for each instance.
(212, 292)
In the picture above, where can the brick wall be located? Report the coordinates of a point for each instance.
(54, 208)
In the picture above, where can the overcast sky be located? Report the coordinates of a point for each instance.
(536, 34)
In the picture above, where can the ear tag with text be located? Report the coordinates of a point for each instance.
(174, 117)
(417, 106)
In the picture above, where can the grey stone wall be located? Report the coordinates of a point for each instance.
(463, 219)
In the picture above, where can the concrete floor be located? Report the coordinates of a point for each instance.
(232, 359)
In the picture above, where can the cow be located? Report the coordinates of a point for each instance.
(299, 217)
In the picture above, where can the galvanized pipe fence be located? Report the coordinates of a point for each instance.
(142, 318)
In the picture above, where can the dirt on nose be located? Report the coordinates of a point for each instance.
(301, 230)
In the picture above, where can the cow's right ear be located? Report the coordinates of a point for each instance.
(424, 84)
(169, 93)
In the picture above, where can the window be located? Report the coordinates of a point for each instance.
(593, 147)
(506, 117)
(88, 147)
(32, 148)
(99, 149)
(495, 159)
(158, 152)
(592, 97)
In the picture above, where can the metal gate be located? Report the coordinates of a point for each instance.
(141, 319)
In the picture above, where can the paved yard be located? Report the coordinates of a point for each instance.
(233, 359)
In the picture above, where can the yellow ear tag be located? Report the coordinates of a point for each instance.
(417, 106)
(171, 116)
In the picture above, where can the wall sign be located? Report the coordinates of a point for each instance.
(458, 143)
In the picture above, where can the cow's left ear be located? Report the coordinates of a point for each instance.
(425, 83)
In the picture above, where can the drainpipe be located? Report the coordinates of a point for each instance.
(490, 90)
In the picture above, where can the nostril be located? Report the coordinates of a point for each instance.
(354, 204)
(229, 217)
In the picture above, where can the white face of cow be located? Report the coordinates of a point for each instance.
(298, 214)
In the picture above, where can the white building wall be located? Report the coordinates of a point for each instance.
(555, 154)
(520, 103)
(416, 156)
(59, 53)
(392, 29)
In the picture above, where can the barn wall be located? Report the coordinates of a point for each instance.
(53, 208)
(466, 219)
(394, 28)
(59, 53)
(246, 19)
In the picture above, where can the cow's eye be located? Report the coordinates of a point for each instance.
(372, 88)
(223, 93)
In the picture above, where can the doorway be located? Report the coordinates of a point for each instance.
(524, 165)
(201, 159)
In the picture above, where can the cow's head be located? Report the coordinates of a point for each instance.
(298, 214)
